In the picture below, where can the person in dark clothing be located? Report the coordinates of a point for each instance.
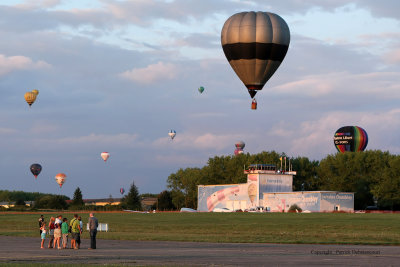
(93, 224)
(41, 221)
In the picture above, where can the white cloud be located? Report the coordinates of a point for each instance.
(152, 73)
(380, 84)
(393, 56)
(123, 139)
(13, 63)
(4, 131)
(206, 141)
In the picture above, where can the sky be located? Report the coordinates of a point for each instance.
(117, 76)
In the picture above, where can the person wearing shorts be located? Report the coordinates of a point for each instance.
(42, 234)
(75, 232)
(64, 232)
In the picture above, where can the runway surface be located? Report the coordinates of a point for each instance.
(166, 253)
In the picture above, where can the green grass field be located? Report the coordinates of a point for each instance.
(311, 228)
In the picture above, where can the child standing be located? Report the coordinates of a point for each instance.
(43, 234)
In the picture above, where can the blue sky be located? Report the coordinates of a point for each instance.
(116, 76)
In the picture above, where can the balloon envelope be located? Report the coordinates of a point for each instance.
(240, 145)
(105, 155)
(172, 134)
(60, 179)
(36, 169)
(350, 138)
(122, 190)
(201, 89)
(255, 44)
(30, 98)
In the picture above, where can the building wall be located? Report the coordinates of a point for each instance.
(233, 196)
(318, 201)
(281, 202)
(337, 201)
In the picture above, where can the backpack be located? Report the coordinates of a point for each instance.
(70, 225)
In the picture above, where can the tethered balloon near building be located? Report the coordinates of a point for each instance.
(350, 138)
(255, 44)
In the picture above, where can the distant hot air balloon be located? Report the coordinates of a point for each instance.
(240, 144)
(30, 98)
(350, 138)
(60, 179)
(201, 89)
(36, 169)
(255, 44)
(105, 155)
(239, 147)
(122, 190)
(35, 91)
(172, 134)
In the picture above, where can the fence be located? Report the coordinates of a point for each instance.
(100, 227)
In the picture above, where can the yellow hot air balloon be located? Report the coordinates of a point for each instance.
(35, 91)
(30, 97)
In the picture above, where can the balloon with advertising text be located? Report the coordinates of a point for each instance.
(350, 139)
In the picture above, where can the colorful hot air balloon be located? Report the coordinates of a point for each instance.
(201, 89)
(30, 98)
(105, 155)
(35, 91)
(122, 190)
(240, 144)
(36, 169)
(172, 134)
(255, 44)
(350, 138)
(60, 179)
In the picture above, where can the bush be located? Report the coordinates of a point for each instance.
(295, 208)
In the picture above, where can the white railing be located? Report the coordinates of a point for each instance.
(100, 227)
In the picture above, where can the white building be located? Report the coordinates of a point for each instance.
(270, 189)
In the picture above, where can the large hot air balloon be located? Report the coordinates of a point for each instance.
(60, 179)
(105, 155)
(201, 89)
(122, 190)
(30, 98)
(350, 138)
(255, 44)
(36, 169)
(172, 134)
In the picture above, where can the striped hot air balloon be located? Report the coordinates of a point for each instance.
(255, 44)
(122, 190)
(350, 138)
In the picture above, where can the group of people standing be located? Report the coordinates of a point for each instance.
(59, 228)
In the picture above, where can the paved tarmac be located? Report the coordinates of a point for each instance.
(27, 250)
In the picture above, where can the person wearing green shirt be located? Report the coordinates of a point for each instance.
(64, 232)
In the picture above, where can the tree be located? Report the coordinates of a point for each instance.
(132, 200)
(51, 202)
(164, 201)
(77, 201)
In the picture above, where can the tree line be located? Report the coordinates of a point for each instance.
(373, 175)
